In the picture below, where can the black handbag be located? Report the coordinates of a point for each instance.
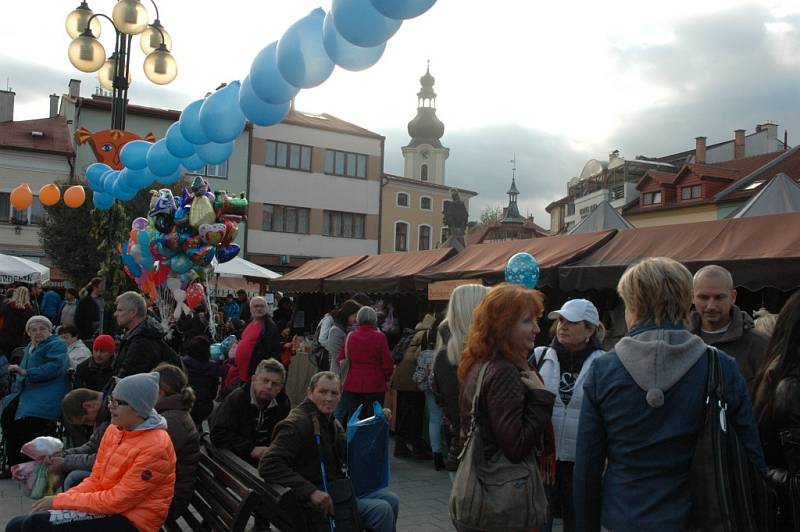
(728, 494)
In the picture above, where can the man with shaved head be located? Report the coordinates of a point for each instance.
(719, 322)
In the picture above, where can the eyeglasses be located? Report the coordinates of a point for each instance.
(115, 403)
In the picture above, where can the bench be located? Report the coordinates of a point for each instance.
(274, 503)
(221, 502)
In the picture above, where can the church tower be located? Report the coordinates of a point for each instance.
(512, 215)
(425, 156)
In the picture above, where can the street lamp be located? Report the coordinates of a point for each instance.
(129, 18)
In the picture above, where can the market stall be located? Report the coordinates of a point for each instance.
(308, 278)
(16, 269)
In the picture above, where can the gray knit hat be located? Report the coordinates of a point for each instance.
(140, 391)
(38, 319)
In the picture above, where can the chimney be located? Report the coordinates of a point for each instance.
(7, 106)
(700, 150)
(738, 144)
(75, 88)
(53, 105)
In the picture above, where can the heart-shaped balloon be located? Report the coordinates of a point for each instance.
(212, 233)
(194, 295)
(225, 254)
(231, 232)
(202, 255)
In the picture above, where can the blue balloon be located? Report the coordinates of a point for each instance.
(345, 54)
(190, 124)
(266, 79)
(302, 59)
(220, 115)
(402, 9)
(134, 154)
(173, 178)
(107, 181)
(181, 264)
(213, 153)
(257, 110)
(193, 163)
(522, 269)
(361, 24)
(177, 145)
(102, 201)
(94, 173)
(120, 190)
(139, 179)
(160, 161)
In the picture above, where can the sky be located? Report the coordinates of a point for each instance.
(553, 83)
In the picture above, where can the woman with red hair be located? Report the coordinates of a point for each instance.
(514, 408)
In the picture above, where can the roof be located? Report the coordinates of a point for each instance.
(488, 261)
(390, 273)
(779, 195)
(436, 186)
(139, 110)
(662, 178)
(562, 201)
(327, 122)
(786, 161)
(55, 137)
(308, 277)
(603, 217)
(736, 244)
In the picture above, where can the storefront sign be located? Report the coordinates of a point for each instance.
(441, 290)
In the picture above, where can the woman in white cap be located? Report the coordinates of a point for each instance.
(41, 382)
(563, 366)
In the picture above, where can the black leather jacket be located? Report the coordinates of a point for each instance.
(782, 448)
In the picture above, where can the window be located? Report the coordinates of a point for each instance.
(445, 203)
(651, 198)
(425, 203)
(423, 172)
(290, 156)
(37, 212)
(216, 170)
(570, 209)
(692, 192)
(400, 236)
(343, 224)
(345, 164)
(402, 199)
(283, 219)
(424, 237)
(445, 234)
(5, 206)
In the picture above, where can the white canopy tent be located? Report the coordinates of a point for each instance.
(238, 267)
(239, 274)
(16, 269)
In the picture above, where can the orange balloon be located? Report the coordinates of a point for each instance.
(21, 197)
(49, 194)
(74, 196)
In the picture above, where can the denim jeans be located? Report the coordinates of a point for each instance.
(435, 415)
(74, 478)
(378, 511)
(69, 521)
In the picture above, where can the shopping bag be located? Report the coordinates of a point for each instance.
(368, 451)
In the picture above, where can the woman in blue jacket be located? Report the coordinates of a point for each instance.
(41, 382)
(643, 407)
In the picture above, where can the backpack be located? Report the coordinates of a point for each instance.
(319, 354)
(402, 345)
(423, 373)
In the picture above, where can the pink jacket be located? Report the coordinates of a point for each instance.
(371, 363)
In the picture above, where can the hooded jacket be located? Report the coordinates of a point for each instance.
(204, 378)
(741, 341)
(139, 350)
(186, 442)
(401, 380)
(134, 476)
(642, 410)
(90, 374)
(46, 382)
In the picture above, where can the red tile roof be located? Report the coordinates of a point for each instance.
(562, 201)
(329, 122)
(55, 138)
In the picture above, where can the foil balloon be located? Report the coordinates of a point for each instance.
(231, 232)
(194, 295)
(225, 254)
(212, 234)
(201, 256)
(162, 202)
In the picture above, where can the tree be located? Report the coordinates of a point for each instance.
(490, 215)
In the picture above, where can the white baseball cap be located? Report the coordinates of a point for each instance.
(576, 310)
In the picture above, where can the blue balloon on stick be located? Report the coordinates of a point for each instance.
(220, 115)
(177, 144)
(134, 154)
(302, 59)
(102, 201)
(191, 129)
(345, 54)
(160, 161)
(193, 163)
(522, 269)
(94, 174)
(213, 153)
(267, 81)
(361, 24)
(402, 9)
(257, 110)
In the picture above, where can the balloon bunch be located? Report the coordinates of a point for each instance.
(522, 269)
(22, 196)
(224, 349)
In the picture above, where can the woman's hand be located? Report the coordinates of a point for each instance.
(14, 368)
(43, 504)
(531, 380)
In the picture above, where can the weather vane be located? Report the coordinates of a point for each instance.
(513, 167)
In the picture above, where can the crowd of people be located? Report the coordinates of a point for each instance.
(611, 430)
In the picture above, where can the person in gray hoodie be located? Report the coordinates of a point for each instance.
(643, 408)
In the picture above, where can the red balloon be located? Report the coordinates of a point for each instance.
(194, 295)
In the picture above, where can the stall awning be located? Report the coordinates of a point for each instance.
(308, 277)
(760, 251)
(488, 261)
(390, 273)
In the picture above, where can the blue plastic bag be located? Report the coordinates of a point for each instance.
(368, 451)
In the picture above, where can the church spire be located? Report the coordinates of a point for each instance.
(512, 215)
(426, 128)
